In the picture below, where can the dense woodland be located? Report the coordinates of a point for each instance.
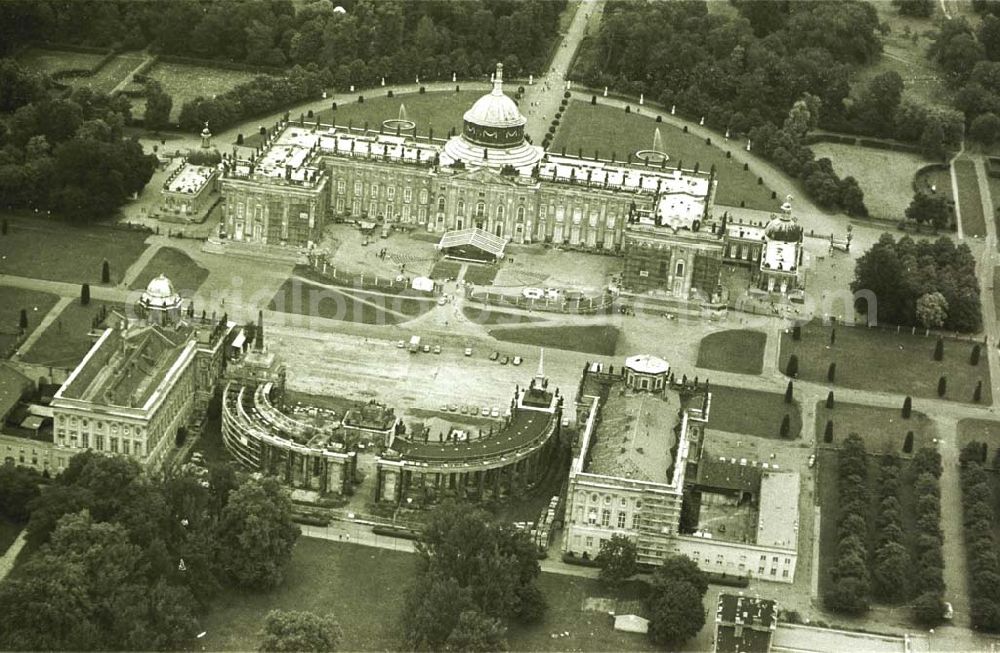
(369, 39)
(905, 275)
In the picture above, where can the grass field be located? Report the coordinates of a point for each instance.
(738, 350)
(610, 131)
(186, 275)
(491, 317)
(184, 82)
(595, 339)
(47, 249)
(480, 275)
(886, 177)
(67, 340)
(752, 412)
(882, 429)
(885, 361)
(440, 111)
(54, 61)
(970, 202)
(302, 298)
(445, 269)
(12, 300)
(322, 574)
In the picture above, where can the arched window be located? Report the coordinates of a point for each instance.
(520, 214)
(441, 204)
(480, 209)
(499, 213)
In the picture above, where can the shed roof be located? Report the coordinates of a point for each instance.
(480, 238)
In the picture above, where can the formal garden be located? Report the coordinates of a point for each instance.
(59, 251)
(21, 311)
(880, 531)
(886, 360)
(884, 430)
(740, 351)
(599, 339)
(299, 297)
(185, 275)
(754, 412)
(606, 131)
(68, 338)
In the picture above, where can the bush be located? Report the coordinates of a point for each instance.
(907, 407)
(939, 349)
(659, 118)
(942, 386)
(828, 432)
(831, 373)
(974, 356)
(567, 95)
(361, 99)
(593, 99)
(829, 400)
(792, 369)
(785, 426)
(239, 139)
(389, 93)
(628, 109)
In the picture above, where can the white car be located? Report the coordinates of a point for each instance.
(552, 293)
(518, 360)
(949, 612)
(495, 412)
(468, 351)
(812, 461)
(533, 293)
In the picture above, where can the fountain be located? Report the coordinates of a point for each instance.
(655, 155)
(400, 124)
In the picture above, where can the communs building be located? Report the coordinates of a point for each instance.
(642, 458)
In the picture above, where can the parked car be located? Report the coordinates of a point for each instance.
(552, 293)
(495, 412)
(401, 344)
(504, 360)
(468, 351)
(812, 461)
(437, 349)
(495, 355)
(427, 349)
(442, 300)
(463, 409)
(533, 293)
(453, 408)
(444, 408)
(486, 411)
(518, 360)
(949, 612)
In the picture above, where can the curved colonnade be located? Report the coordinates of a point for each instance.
(264, 439)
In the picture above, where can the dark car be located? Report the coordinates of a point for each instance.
(504, 360)
(495, 355)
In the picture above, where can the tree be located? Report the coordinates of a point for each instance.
(915, 8)
(786, 426)
(928, 609)
(18, 488)
(617, 559)
(105, 272)
(848, 595)
(477, 633)
(792, 368)
(974, 355)
(85, 294)
(23, 320)
(829, 400)
(985, 128)
(828, 431)
(831, 372)
(789, 397)
(3, 227)
(907, 407)
(942, 387)
(939, 349)
(977, 394)
(257, 533)
(679, 569)
(299, 631)
(932, 209)
(431, 610)
(676, 615)
(158, 106)
(908, 442)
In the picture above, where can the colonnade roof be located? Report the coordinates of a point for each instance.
(525, 427)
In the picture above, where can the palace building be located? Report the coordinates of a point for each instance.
(489, 178)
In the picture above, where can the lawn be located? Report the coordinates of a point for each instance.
(323, 576)
(58, 251)
(67, 340)
(737, 350)
(184, 82)
(113, 72)
(882, 429)
(54, 61)
(480, 275)
(491, 317)
(886, 177)
(440, 111)
(445, 269)
(12, 300)
(883, 360)
(595, 339)
(302, 298)
(970, 202)
(608, 130)
(186, 275)
(752, 412)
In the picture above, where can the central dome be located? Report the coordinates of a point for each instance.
(494, 120)
(784, 228)
(160, 288)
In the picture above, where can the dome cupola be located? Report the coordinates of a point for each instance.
(161, 302)
(784, 228)
(494, 120)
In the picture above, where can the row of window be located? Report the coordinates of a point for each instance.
(720, 560)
